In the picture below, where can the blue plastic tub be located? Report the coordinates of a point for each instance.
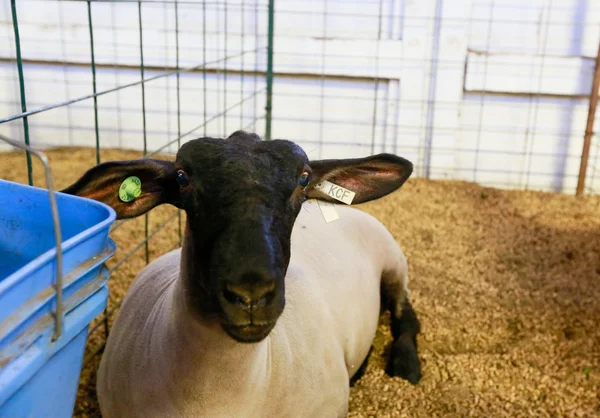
(38, 376)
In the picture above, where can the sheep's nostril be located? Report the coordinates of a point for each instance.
(249, 296)
(266, 299)
(236, 298)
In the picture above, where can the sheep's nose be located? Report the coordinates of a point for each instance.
(250, 295)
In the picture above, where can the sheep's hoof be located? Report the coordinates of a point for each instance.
(404, 361)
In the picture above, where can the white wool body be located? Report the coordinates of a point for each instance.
(162, 361)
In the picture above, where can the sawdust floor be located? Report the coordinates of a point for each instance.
(506, 284)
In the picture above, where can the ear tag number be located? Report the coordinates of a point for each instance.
(130, 189)
(328, 211)
(337, 192)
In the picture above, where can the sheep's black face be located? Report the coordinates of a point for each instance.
(241, 196)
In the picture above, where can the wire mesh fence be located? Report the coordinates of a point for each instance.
(495, 92)
(140, 75)
(492, 91)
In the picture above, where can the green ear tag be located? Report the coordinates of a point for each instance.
(130, 189)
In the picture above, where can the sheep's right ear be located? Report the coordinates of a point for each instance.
(369, 178)
(103, 183)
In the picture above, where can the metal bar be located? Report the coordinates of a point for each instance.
(97, 131)
(589, 127)
(128, 28)
(413, 61)
(442, 150)
(65, 71)
(89, 10)
(225, 26)
(243, 44)
(142, 72)
(256, 33)
(405, 128)
(122, 87)
(58, 287)
(180, 229)
(322, 79)
(216, 102)
(178, 75)
(483, 93)
(269, 106)
(345, 36)
(143, 86)
(418, 101)
(435, 51)
(204, 98)
(22, 90)
(167, 90)
(376, 89)
(397, 109)
(116, 72)
(415, 19)
(343, 98)
(530, 153)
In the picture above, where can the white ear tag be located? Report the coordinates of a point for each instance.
(335, 191)
(329, 212)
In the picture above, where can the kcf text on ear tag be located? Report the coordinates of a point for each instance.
(130, 189)
(329, 212)
(335, 191)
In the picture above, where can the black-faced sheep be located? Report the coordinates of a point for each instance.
(203, 332)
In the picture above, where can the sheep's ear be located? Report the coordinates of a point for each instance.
(370, 178)
(131, 188)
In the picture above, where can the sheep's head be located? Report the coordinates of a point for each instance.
(241, 197)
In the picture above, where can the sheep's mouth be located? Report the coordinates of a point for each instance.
(250, 333)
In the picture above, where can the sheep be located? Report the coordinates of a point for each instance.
(202, 331)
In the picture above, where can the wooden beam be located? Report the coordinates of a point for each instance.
(589, 128)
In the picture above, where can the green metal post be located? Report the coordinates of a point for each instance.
(269, 106)
(22, 88)
(243, 24)
(89, 4)
(256, 49)
(142, 73)
(204, 66)
(93, 62)
(178, 108)
(225, 133)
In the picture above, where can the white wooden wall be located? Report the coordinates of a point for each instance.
(493, 91)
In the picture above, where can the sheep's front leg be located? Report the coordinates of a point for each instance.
(404, 360)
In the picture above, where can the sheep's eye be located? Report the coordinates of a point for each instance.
(182, 178)
(304, 179)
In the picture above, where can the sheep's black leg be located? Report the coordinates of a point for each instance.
(361, 370)
(404, 361)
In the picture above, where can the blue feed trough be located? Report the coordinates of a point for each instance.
(39, 376)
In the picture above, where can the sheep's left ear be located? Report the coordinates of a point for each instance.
(131, 188)
(370, 178)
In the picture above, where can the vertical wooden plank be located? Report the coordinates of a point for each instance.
(589, 127)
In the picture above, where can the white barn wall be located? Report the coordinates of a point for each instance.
(495, 95)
